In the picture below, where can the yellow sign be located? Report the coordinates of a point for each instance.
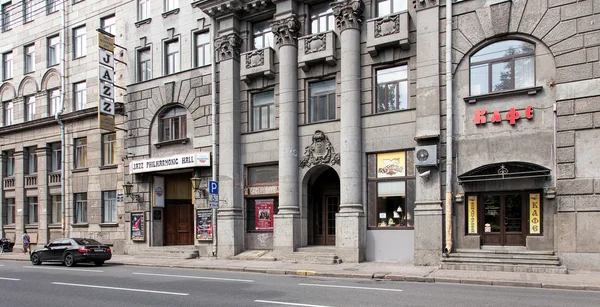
(391, 164)
(106, 42)
(535, 218)
(472, 214)
(106, 122)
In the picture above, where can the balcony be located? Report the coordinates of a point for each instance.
(387, 31)
(31, 181)
(257, 63)
(9, 183)
(316, 48)
(54, 178)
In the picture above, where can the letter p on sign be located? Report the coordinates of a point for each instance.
(213, 187)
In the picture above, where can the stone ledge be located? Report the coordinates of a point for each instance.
(522, 91)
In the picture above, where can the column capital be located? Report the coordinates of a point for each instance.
(286, 31)
(348, 14)
(228, 47)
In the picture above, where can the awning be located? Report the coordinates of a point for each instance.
(505, 171)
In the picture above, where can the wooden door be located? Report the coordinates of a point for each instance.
(324, 218)
(503, 219)
(179, 224)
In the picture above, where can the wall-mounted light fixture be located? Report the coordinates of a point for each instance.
(550, 193)
(459, 198)
(196, 186)
(134, 197)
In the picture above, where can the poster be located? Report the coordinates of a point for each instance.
(138, 232)
(204, 229)
(535, 216)
(472, 215)
(391, 164)
(264, 214)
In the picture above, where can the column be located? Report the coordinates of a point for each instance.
(43, 154)
(20, 199)
(230, 217)
(350, 221)
(286, 234)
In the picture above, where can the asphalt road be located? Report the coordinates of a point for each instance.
(22, 284)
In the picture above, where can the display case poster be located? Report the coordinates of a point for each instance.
(391, 164)
(264, 214)
(204, 229)
(138, 221)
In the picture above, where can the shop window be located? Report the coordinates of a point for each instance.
(321, 18)
(387, 7)
(31, 210)
(391, 190)
(392, 89)
(172, 125)
(263, 111)
(109, 207)
(56, 210)
(321, 105)
(262, 200)
(502, 66)
(80, 208)
(263, 37)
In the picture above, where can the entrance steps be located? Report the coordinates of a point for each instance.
(504, 259)
(313, 255)
(169, 252)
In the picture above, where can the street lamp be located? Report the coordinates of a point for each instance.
(195, 182)
(127, 186)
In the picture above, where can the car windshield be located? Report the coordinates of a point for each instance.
(87, 242)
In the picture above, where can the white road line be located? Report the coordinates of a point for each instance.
(62, 269)
(350, 287)
(290, 304)
(119, 289)
(1, 264)
(6, 278)
(194, 277)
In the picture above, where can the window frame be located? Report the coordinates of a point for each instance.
(271, 111)
(29, 205)
(111, 144)
(79, 42)
(31, 165)
(176, 57)
(266, 35)
(28, 12)
(10, 162)
(143, 7)
(8, 113)
(56, 157)
(11, 210)
(144, 65)
(207, 59)
(316, 16)
(329, 96)
(110, 28)
(168, 121)
(391, 7)
(56, 209)
(29, 58)
(7, 65)
(170, 5)
(51, 6)
(54, 101)
(53, 50)
(80, 153)
(30, 107)
(80, 200)
(397, 82)
(250, 200)
(79, 96)
(5, 16)
(109, 200)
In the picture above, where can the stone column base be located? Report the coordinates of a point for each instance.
(428, 232)
(286, 233)
(230, 233)
(350, 236)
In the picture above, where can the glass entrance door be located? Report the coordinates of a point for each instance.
(503, 219)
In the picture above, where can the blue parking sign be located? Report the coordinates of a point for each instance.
(213, 187)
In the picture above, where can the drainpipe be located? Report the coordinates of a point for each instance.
(57, 117)
(449, 130)
(213, 73)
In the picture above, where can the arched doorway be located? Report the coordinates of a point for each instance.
(323, 203)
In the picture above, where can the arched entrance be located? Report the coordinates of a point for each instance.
(323, 203)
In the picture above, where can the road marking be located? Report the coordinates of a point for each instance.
(120, 289)
(194, 277)
(290, 304)
(6, 278)
(350, 287)
(62, 269)
(1, 264)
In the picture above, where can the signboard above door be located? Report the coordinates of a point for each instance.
(169, 163)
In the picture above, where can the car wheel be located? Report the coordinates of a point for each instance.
(69, 260)
(35, 259)
(98, 263)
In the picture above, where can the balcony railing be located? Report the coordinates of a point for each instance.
(257, 63)
(31, 181)
(316, 48)
(54, 179)
(9, 183)
(387, 31)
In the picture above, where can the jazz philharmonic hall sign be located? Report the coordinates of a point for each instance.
(106, 101)
(169, 163)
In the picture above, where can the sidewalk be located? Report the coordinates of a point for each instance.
(578, 280)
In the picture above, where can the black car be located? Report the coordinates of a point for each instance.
(71, 251)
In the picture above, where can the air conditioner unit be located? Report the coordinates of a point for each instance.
(426, 155)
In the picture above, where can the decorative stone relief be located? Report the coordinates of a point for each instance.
(321, 151)
(348, 14)
(315, 43)
(388, 25)
(228, 47)
(286, 31)
(255, 58)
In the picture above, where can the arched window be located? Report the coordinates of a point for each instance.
(172, 125)
(501, 66)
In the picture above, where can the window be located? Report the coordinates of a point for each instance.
(202, 49)
(108, 24)
(503, 66)
(79, 42)
(386, 7)
(171, 5)
(53, 50)
(5, 11)
(321, 105)
(10, 162)
(56, 210)
(392, 89)
(260, 208)
(56, 163)
(79, 94)
(54, 101)
(30, 160)
(27, 11)
(144, 65)
(172, 57)
(143, 9)
(263, 111)
(10, 211)
(109, 151)
(8, 113)
(391, 190)
(29, 58)
(29, 108)
(321, 18)
(80, 208)
(263, 37)
(51, 6)
(81, 153)
(172, 125)
(31, 210)
(7, 65)
(109, 207)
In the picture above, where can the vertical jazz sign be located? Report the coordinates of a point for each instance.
(472, 214)
(535, 214)
(106, 101)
